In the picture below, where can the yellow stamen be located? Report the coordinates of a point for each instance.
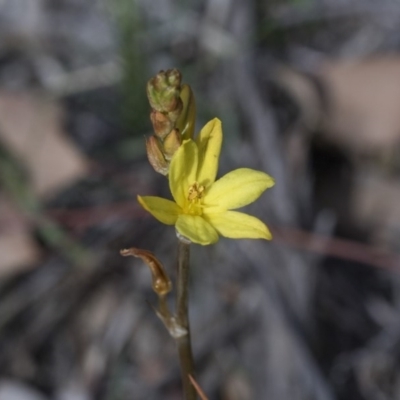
(196, 192)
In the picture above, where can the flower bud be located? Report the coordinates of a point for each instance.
(171, 143)
(163, 90)
(174, 77)
(162, 125)
(174, 114)
(187, 117)
(156, 156)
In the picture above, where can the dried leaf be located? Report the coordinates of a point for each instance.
(18, 250)
(31, 128)
(364, 103)
(375, 204)
(356, 105)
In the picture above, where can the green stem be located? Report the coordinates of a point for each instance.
(184, 343)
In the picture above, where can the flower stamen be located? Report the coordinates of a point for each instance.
(195, 192)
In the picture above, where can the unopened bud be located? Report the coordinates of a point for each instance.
(161, 283)
(162, 125)
(176, 112)
(174, 77)
(163, 90)
(171, 143)
(187, 117)
(156, 156)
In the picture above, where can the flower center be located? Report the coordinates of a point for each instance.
(195, 193)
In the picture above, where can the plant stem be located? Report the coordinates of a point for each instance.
(184, 343)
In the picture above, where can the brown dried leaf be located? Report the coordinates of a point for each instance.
(376, 205)
(31, 127)
(364, 103)
(18, 253)
(18, 250)
(358, 107)
(237, 387)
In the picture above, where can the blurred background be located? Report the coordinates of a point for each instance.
(308, 91)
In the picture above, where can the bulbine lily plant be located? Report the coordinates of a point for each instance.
(203, 206)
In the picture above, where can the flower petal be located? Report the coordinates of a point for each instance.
(236, 225)
(182, 171)
(166, 211)
(196, 229)
(209, 142)
(236, 189)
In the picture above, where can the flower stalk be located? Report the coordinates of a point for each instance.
(184, 343)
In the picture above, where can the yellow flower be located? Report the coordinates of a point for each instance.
(201, 211)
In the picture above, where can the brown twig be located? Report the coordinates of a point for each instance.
(307, 241)
(198, 388)
(335, 247)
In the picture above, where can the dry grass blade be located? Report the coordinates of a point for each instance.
(198, 388)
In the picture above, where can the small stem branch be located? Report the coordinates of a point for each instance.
(183, 342)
